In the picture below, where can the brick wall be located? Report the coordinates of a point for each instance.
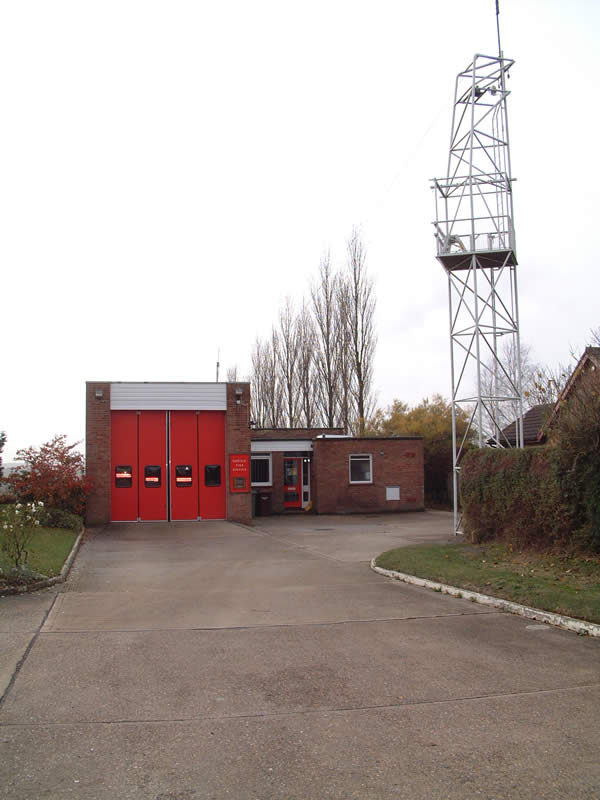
(97, 452)
(237, 441)
(396, 462)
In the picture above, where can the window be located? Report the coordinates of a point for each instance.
(261, 470)
(212, 475)
(290, 472)
(152, 476)
(123, 477)
(361, 469)
(183, 476)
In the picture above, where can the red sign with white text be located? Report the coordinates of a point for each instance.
(239, 473)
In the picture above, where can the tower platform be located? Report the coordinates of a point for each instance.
(452, 262)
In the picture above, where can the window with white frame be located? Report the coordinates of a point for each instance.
(261, 470)
(361, 468)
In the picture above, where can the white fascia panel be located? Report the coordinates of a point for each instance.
(281, 446)
(168, 396)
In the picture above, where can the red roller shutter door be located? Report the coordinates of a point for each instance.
(153, 478)
(184, 465)
(211, 461)
(124, 466)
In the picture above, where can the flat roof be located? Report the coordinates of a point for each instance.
(365, 438)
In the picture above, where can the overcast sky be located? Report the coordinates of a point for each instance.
(171, 171)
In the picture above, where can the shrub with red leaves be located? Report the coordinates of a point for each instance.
(53, 473)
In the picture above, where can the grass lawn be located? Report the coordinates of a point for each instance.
(48, 550)
(564, 584)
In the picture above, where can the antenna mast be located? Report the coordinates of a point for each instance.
(498, 27)
(475, 238)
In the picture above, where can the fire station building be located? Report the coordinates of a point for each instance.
(186, 451)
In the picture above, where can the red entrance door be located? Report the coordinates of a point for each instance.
(124, 465)
(184, 464)
(152, 443)
(211, 464)
(292, 483)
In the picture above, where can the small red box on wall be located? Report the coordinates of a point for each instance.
(239, 473)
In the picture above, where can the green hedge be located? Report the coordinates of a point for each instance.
(519, 496)
(57, 518)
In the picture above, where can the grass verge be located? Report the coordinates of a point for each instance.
(48, 551)
(563, 584)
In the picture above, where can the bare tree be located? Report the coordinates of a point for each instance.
(257, 384)
(267, 398)
(357, 298)
(2, 443)
(540, 383)
(317, 366)
(499, 379)
(307, 383)
(288, 356)
(232, 374)
(547, 384)
(325, 309)
(346, 410)
(272, 386)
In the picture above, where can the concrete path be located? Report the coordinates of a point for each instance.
(209, 660)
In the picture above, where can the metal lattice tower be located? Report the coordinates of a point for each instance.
(475, 236)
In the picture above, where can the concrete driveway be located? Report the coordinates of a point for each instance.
(210, 660)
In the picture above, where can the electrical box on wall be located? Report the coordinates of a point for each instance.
(239, 473)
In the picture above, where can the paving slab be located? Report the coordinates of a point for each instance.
(307, 570)
(152, 532)
(12, 649)
(202, 561)
(25, 612)
(518, 746)
(245, 544)
(358, 537)
(433, 524)
(189, 674)
(239, 607)
(21, 616)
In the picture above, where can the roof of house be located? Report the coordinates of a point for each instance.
(277, 434)
(308, 434)
(367, 438)
(533, 422)
(589, 359)
(594, 353)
